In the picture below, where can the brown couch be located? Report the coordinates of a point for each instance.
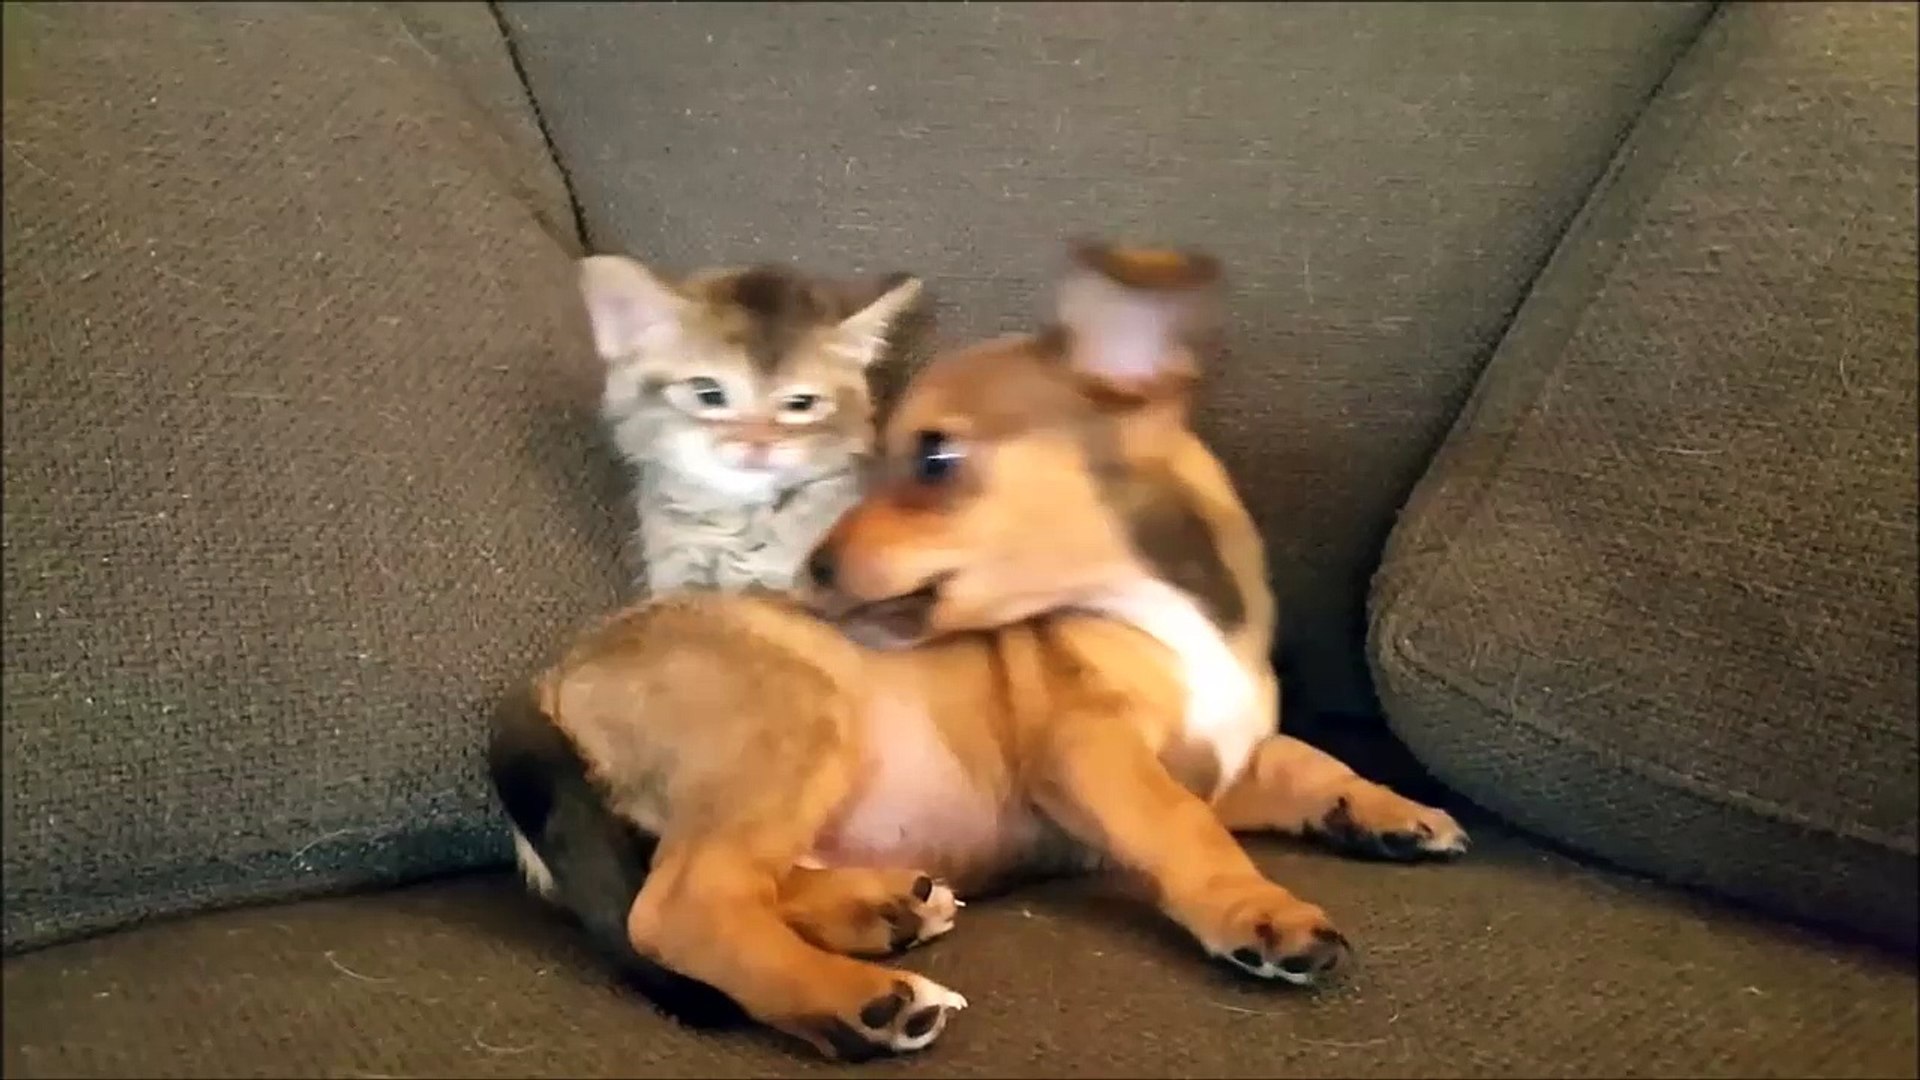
(1572, 378)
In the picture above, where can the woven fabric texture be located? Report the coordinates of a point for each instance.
(1656, 598)
(1382, 181)
(1513, 963)
(298, 470)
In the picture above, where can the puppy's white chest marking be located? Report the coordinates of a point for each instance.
(916, 801)
(1220, 693)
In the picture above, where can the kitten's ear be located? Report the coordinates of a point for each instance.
(1134, 316)
(626, 304)
(863, 334)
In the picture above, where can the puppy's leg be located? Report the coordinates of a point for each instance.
(711, 910)
(1297, 789)
(864, 911)
(1098, 780)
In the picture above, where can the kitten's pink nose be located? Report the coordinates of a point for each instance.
(757, 444)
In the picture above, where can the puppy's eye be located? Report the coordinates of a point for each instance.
(707, 392)
(799, 404)
(936, 458)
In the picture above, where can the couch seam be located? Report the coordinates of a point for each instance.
(540, 121)
(1614, 155)
(1591, 206)
(1616, 162)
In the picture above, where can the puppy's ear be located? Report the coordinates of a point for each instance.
(862, 336)
(1134, 317)
(627, 305)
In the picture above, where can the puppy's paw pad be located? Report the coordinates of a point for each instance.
(907, 1018)
(1267, 932)
(1292, 957)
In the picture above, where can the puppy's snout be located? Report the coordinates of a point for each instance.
(822, 567)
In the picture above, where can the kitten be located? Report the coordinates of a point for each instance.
(741, 401)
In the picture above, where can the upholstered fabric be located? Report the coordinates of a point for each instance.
(1513, 963)
(1656, 598)
(299, 448)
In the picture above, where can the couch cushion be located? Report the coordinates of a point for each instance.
(299, 466)
(1512, 963)
(1383, 181)
(1656, 598)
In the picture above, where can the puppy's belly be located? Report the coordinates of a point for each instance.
(918, 806)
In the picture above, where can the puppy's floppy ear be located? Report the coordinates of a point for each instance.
(1135, 316)
(862, 336)
(626, 303)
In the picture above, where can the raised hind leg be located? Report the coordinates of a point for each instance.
(712, 911)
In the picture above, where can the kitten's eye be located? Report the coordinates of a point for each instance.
(935, 459)
(799, 404)
(708, 392)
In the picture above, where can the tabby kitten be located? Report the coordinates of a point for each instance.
(740, 400)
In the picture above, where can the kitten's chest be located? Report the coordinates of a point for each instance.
(699, 538)
(799, 514)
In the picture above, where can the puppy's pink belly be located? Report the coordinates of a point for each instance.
(946, 837)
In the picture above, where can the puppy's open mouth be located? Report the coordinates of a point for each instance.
(895, 621)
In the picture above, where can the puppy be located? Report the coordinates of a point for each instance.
(1037, 644)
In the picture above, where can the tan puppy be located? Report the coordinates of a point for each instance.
(1038, 644)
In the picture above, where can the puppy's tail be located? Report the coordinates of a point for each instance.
(582, 856)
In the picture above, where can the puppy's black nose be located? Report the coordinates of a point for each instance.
(820, 567)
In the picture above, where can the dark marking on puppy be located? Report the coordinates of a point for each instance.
(1172, 537)
(598, 861)
(1194, 765)
(1155, 269)
(1051, 341)
(1167, 533)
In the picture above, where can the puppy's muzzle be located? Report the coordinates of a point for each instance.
(894, 622)
(822, 568)
(888, 623)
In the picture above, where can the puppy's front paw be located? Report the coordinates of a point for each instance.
(1269, 933)
(924, 913)
(1376, 822)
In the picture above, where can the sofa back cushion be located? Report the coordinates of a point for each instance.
(299, 450)
(1656, 600)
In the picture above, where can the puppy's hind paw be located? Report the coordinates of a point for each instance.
(909, 1017)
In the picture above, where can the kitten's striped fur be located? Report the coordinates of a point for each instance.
(741, 401)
